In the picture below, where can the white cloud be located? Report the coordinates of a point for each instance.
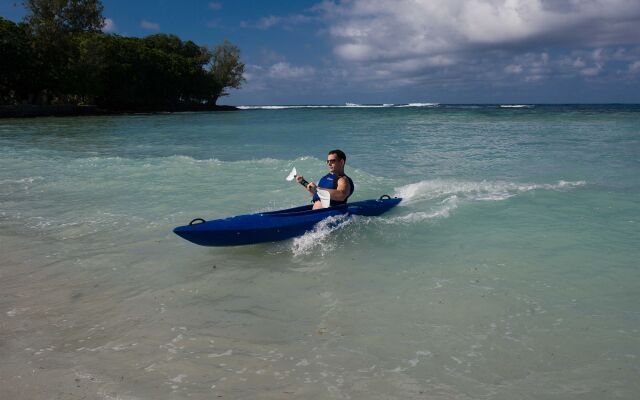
(513, 69)
(384, 31)
(269, 56)
(578, 63)
(271, 21)
(150, 26)
(284, 70)
(215, 6)
(456, 46)
(591, 71)
(268, 22)
(109, 26)
(634, 67)
(408, 43)
(279, 77)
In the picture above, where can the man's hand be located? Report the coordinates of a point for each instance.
(311, 187)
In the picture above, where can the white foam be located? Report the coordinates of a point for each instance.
(442, 211)
(29, 179)
(286, 107)
(479, 191)
(515, 106)
(224, 354)
(318, 237)
(15, 311)
(178, 379)
(420, 105)
(356, 105)
(265, 107)
(442, 198)
(215, 161)
(345, 105)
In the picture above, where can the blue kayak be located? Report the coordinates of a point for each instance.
(274, 225)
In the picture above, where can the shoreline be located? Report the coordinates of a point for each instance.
(32, 111)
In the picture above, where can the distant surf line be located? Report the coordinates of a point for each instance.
(346, 105)
(383, 105)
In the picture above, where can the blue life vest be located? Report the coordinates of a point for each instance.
(330, 181)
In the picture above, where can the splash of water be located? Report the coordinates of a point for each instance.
(319, 239)
(479, 191)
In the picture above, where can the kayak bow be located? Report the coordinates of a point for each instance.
(274, 225)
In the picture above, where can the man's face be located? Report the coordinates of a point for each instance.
(334, 163)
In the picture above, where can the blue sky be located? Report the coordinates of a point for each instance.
(402, 51)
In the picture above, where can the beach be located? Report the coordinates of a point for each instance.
(509, 270)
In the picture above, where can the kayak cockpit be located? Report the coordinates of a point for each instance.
(303, 210)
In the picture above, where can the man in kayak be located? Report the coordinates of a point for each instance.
(339, 185)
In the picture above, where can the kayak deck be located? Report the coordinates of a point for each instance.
(273, 226)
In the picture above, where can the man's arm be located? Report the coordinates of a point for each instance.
(342, 191)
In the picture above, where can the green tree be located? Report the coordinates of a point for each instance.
(156, 72)
(63, 16)
(226, 70)
(15, 68)
(87, 70)
(60, 55)
(55, 25)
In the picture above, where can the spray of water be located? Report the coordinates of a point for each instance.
(319, 240)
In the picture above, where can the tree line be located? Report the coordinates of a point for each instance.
(59, 55)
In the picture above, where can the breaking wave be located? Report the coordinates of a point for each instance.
(346, 105)
(318, 238)
(419, 105)
(479, 191)
(424, 201)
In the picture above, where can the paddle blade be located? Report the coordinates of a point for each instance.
(325, 198)
(292, 174)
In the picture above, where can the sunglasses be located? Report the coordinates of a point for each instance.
(332, 161)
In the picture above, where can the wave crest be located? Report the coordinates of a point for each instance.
(481, 191)
(345, 105)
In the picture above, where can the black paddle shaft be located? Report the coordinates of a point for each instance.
(304, 182)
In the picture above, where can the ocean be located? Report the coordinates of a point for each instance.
(509, 270)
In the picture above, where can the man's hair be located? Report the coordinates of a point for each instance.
(339, 153)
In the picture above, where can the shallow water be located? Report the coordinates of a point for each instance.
(509, 271)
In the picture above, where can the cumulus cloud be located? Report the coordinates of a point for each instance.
(634, 67)
(406, 39)
(591, 71)
(109, 26)
(383, 30)
(284, 70)
(215, 6)
(279, 77)
(426, 47)
(150, 26)
(513, 69)
(271, 21)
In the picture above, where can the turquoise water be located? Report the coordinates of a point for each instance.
(509, 271)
